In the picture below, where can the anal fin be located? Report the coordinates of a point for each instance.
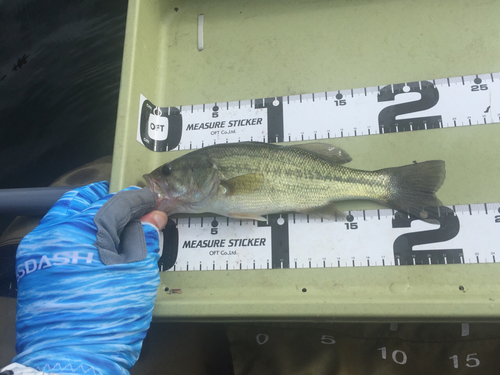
(328, 211)
(246, 217)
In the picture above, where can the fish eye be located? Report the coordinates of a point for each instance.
(166, 169)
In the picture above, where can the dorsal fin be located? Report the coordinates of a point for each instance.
(325, 150)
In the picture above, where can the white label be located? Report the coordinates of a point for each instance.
(157, 127)
(214, 245)
(225, 125)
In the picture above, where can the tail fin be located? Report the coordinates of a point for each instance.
(413, 187)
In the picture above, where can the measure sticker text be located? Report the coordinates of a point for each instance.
(234, 242)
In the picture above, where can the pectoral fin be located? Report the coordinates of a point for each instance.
(326, 151)
(244, 184)
(328, 211)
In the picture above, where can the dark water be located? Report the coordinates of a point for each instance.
(60, 65)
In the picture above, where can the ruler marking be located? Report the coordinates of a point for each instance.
(463, 82)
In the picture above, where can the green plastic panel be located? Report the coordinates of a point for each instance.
(272, 48)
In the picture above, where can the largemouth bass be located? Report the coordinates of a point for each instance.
(250, 179)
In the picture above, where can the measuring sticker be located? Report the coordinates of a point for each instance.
(366, 238)
(437, 103)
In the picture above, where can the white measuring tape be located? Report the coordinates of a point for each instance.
(440, 103)
(367, 238)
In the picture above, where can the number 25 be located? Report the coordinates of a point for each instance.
(481, 87)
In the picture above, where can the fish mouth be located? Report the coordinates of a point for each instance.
(152, 184)
(156, 188)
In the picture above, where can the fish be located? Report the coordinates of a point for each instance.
(248, 180)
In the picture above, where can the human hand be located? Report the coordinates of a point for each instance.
(85, 297)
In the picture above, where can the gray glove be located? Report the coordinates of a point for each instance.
(118, 218)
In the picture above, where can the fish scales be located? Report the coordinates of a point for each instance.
(294, 178)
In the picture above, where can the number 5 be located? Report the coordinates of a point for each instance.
(473, 359)
(328, 340)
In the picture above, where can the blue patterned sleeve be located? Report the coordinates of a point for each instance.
(76, 315)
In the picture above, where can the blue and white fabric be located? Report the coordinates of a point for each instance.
(76, 315)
